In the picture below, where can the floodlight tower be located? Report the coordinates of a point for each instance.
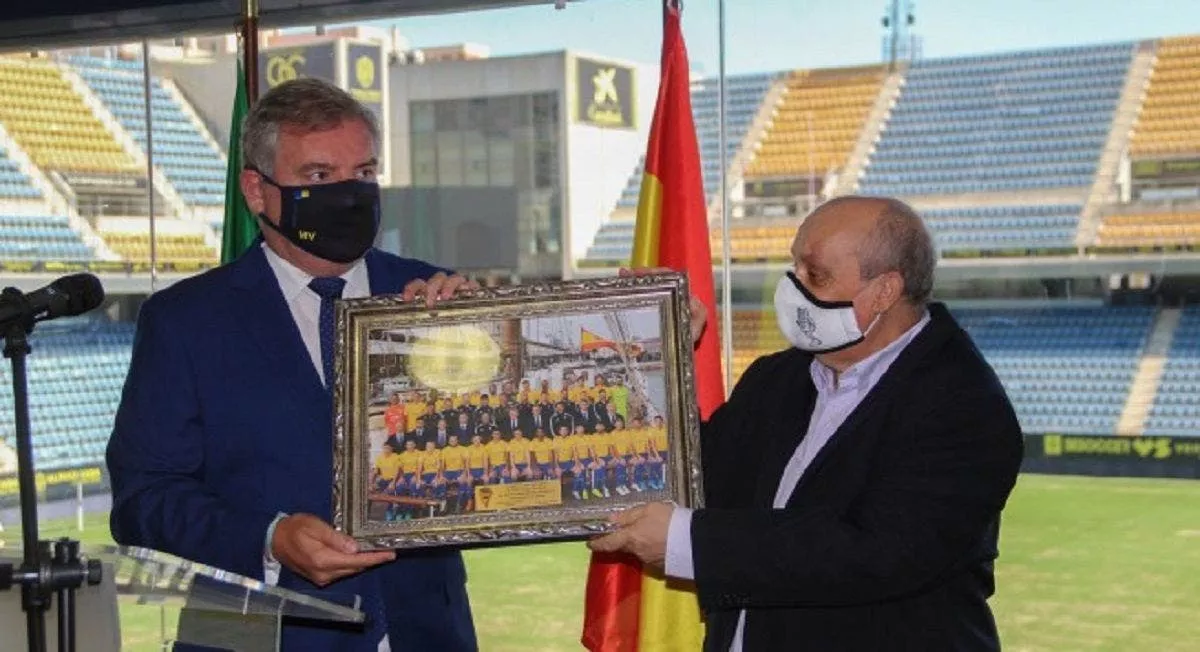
(900, 43)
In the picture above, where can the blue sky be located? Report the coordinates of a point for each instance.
(777, 34)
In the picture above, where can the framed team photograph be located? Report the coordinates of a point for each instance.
(514, 414)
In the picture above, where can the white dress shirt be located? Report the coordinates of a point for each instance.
(837, 397)
(305, 306)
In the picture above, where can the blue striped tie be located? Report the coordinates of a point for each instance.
(329, 288)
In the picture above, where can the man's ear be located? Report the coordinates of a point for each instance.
(252, 189)
(891, 290)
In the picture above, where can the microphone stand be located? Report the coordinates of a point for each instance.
(48, 568)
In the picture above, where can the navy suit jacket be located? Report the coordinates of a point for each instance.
(224, 422)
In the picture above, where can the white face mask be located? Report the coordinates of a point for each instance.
(813, 325)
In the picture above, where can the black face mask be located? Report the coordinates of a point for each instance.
(333, 221)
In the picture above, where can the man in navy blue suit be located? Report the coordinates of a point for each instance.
(221, 449)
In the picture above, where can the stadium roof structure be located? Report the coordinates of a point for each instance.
(64, 23)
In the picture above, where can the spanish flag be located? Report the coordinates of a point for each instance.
(628, 610)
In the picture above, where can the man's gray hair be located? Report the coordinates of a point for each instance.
(899, 242)
(306, 103)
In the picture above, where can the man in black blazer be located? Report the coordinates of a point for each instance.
(538, 418)
(854, 482)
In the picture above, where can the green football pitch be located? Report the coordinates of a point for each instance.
(1085, 564)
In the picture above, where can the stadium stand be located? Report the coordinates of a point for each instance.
(1169, 122)
(816, 122)
(766, 241)
(14, 185)
(1066, 369)
(1176, 408)
(76, 372)
(179, 249)
(188, 159)
(754, 335)
(1000, 123)
(744, 94)
(41, 238)
(1156, 230)
(1007, 229)
(50, 121)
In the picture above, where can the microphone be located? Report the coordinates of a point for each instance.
(66, 297)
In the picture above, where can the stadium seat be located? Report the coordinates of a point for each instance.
(193, 166)
(1170, 230)
(51, 122)
(41, 238)
(1176, 408)
(76, 372)
(817, 122)
(1169, 122)
(1030, 120)
(743, 95)
(1066, 370)
(176, 248)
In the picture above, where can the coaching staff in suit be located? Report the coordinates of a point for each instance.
(868, 518)
(221, 452)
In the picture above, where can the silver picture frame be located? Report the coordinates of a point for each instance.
(389, 349)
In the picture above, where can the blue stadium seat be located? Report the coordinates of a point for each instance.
(743, 95)
(1066, 370)
(1176, 408)
(41, 238)
(76, 372)
(13, 183)
(1018, 121)
(189, 161)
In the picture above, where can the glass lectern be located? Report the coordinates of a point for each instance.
(149, 600)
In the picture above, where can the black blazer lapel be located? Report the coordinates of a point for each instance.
(936, 332)
(257, 304)
(787, 425)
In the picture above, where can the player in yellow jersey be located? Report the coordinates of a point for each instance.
(454, 467)
(541, 452)
(620, 440)
(632, 451)
(414, 410)
(545, 394)
(656, 454)
(497, 454)
(518, 449)
(477, 460)
(600, 443)
(429, 477)
(583, 463)
(564, 454)
(410, 466)
(407, 482)
(600, 384)
(578, 391)
(387, 467)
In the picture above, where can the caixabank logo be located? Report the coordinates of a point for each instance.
(604, 94)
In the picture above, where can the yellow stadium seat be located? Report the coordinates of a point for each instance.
(817, 122)
(1169, 122)
(44, 115)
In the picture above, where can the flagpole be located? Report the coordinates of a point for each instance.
(726, 253)
(148, 115)
(249, 34)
